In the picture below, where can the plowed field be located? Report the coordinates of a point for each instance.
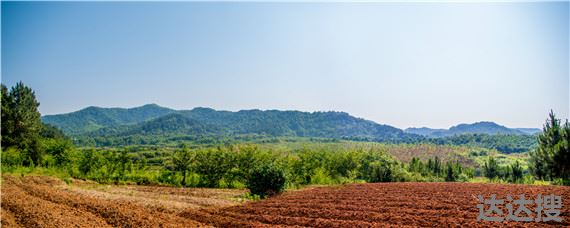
(48, 202)
(379, 205)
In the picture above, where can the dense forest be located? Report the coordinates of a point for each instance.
(30, 144)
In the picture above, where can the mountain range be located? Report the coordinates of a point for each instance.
(153, 119)
(484, 127)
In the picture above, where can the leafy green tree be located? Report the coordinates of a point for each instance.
(245, 159)
(59, 149)
(343, 163)
(123, 162)
(89, 161)
(182, 161)
(212, 165)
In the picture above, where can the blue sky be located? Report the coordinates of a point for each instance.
(403, 64)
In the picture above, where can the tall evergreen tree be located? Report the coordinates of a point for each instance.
(491, 168)
(516, 172)
(7, 126)
(21, 123)
(552, 157)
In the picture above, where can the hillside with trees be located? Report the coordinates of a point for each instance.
(152, 124)
(94, 118)
(484, 127)
(153, 119)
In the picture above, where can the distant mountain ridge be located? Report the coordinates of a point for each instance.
(484, 127)
(155, 120)
(93, 118)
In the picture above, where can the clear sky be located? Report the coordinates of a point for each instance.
(402, 64)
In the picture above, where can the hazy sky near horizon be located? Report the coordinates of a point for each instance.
(402, 64)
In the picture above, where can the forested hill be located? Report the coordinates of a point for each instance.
(484, 127)
(94, 118)
(153, 119)
(151, 124)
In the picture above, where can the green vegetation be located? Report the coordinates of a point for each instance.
(551, 160)
(110, 127)
(154, 125)
(265, 165)
(266, 180)
(26, 141)
(503, 143)
(94, 118)
(488, 128)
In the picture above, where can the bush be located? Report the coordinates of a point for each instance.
(320, 176)
(12, 157)
(167, 177)
(380, 172)
(266, 180)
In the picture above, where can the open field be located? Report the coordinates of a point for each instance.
(34, 201)
(381, 204)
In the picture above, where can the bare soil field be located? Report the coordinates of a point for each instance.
(379, 205)
(34, 201)
(48, 202)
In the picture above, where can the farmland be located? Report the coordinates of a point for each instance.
(324, 114)
(377, 204)
(34, 201)
(40, 201)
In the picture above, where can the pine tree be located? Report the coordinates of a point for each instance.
(552, 157)
(516, 172)
(491, 168)
(450, 175)
(7, 126)
(21, 123)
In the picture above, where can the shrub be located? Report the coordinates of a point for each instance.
(266, 180)
(380, 172)
(167, 177)
(321, 176)
(12, 156)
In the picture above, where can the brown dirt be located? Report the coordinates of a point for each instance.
(47, 202)
(170, 199)
(378, 205)
(7, 219)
